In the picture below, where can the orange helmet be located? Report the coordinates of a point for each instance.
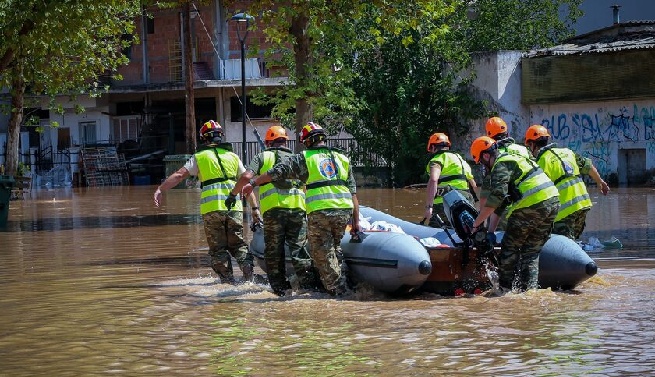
(276, 132)
(312, 133)
(481, 144)
(495, 126)
(536, 131)
(438, 139)
(211, 130)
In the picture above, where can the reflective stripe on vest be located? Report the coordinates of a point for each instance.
(509, 146)
(453, 172)
(328, 172)
(273, 197)
(560, 165)
(213, 195)
(533, 184)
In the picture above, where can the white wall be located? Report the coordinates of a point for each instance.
(93, 111)
(598, 130)
(498, 78)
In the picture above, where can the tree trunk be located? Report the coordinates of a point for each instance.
(13, 132)
(190, 133)
(303, 61)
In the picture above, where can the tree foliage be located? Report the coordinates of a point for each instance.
(494, 25)
(59, 47)
(393, 72)
(63, 45)
(413, 84)
(318, 41)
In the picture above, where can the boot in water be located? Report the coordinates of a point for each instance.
(224, 272)
(248, 273)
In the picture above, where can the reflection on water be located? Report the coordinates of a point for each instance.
(99, 282)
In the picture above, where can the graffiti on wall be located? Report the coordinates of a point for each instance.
(596, 134)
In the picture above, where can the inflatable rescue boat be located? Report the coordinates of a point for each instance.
(390, 262)
(398, 263)
(458, 267)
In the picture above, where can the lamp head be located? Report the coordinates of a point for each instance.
(242, 17)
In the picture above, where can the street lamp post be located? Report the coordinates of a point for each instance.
(243, 18)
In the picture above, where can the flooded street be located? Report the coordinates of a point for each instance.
(97, 281)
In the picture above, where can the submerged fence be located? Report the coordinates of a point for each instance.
(60, 167)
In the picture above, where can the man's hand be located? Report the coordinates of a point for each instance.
(247, 190)
(604, 188)
(230, 201)
(428, 212)
(157, 197)
(355, 234)
(256, 215)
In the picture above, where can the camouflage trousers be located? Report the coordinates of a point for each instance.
(439, 209)
(324, 233)
(572, 225)
(283, 225)
(528, 229)
(224, 232)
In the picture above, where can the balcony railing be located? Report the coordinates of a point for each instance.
(232, 69)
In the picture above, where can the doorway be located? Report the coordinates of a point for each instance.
(632, 166)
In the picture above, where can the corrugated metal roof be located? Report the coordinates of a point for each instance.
(623, 36)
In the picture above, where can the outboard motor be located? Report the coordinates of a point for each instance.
(460, 213)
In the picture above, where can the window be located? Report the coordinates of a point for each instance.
(88, 132)
(252, 111)
(63, 138)
(125, 128)
(150, 25)
(127, 51)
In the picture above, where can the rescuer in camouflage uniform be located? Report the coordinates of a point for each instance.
(331, 201)
(534, 201)
(497, 129)
(564, 167)
(447, 171)
(282, 205)
(217, 168)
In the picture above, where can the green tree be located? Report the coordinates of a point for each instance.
(413, 84)
(494, 25)
(59, 47)
(418, 81)
(392, 72)
(317, 41)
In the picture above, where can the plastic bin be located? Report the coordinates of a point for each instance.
(172, 163)
(141, 180)
(6, 184)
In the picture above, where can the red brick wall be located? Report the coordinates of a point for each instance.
(167, 31)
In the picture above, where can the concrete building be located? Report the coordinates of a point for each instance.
(146, 108)
(595, 94)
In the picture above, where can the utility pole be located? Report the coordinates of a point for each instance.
(190, 130)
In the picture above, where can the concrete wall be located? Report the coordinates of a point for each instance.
(618, 135)
(498, 80)
(607, 132)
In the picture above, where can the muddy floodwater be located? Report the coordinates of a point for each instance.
(99, 282)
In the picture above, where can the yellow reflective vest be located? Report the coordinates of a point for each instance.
(271, 196)
(327, 186)
(509, 146)
(218, 170)
(532, 187)
(455, 172)
(560, 165)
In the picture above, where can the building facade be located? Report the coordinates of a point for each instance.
(146, 108)
(594, 93)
